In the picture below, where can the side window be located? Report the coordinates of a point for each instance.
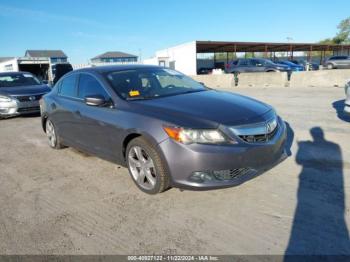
(254, 62)
(88, 85)
(235, 62)
(68, 86)
(243, 62)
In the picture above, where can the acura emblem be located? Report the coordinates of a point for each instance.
(32, 98)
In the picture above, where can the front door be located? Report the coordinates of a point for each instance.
(99, 132)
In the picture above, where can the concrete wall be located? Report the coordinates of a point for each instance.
(322, 78)
(216, 81)
(270, 79)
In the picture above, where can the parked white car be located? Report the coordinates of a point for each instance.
(347, 101)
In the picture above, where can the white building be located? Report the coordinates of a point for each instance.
(37, 62)
(114, 58)
(182, 58)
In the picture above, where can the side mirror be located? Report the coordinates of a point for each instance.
(95, 100)
(46, 82)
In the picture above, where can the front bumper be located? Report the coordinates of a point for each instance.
(254, 158)
(21, 108)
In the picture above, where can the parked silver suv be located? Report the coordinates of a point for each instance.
(338, 62)
(347, 101)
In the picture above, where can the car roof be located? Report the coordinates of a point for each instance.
(104, 69)
(14, 73)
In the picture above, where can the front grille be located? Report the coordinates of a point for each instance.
(29, 98)
(29, 109)
(261, 138)
(230, 174)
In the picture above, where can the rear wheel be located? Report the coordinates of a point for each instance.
(146, 166)
(51, 133)
(330, 66)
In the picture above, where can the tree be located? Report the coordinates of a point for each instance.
(343, 36)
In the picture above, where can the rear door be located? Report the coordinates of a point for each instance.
(64, 106)
(257, 65)
(244, 65)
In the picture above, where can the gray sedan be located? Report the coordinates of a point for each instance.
(169, 130)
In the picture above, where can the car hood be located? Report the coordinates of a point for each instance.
(206, 108)
(24, 90)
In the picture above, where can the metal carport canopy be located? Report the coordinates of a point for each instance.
(221, 46)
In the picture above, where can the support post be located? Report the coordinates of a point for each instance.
(310, 54)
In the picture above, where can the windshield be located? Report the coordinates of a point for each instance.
(151, 83)
(13, 80)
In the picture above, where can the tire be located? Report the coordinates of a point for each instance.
(146, 167)
(330, 66)
(52, 135)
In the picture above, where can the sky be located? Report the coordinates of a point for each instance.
(86, 28)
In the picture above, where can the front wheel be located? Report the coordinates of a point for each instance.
(51, 133)
(146, 167)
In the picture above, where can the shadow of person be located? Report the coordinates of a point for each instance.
(339, 108)
(319, 226)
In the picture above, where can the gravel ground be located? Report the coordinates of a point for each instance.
(66, 202)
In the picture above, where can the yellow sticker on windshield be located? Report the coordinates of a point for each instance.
(134, 93)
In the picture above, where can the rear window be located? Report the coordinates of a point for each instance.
(13, 80)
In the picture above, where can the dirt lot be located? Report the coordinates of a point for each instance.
(65, 202)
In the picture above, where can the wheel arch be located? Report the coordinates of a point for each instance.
(43, 121)
(132, 134)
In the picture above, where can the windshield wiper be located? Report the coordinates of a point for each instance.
(139, 98)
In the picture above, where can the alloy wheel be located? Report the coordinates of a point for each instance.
(142, 167)
(50, 132)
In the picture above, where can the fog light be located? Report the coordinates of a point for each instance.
(201, 176)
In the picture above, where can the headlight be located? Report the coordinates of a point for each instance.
(5, 99)
(7, 104)
(200, 136)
